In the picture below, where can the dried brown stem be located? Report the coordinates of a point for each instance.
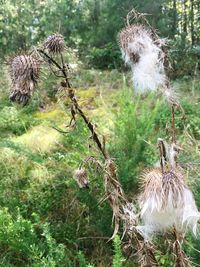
(181, 260)
(173, 124)
(113, 189)
(74, 101)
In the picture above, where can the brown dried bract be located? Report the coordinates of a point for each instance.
(55, 43)
(24, 73)
(81, 177)
(160, 185)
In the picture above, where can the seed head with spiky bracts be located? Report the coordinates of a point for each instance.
(170, 96)
(24, 73)
(81, 177)
(145, 56)
(55, 43)
(165, 202)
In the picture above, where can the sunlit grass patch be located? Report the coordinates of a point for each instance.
(39, 138)
(53, 115)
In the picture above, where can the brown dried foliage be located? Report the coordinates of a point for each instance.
(180, 258)
(81, 177)
(159, 184)
(128, 35)
(145, 254)
(55, 43)
(24, 73)
(113, 189)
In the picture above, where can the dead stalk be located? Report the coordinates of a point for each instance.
(113, 189)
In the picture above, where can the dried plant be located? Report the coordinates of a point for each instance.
(113, 189)
(180, 258)
(81, 177)
(114, 192)
(24, 73)
(145, 252)
(165, 202)
(144, 55)
(55, 44)
(130, 218)
(146, 255)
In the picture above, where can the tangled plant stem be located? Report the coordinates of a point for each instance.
(73, 98)
(113, 189)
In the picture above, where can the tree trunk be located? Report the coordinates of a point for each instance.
(185, 18)
(192, 22)
(174, 25)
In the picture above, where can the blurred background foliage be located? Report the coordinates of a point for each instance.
(45, 219)
(91, 27)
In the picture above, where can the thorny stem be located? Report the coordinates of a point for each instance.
(163, 158)
(74, 101)
(112, 176)
(173, 124)
(181, 259)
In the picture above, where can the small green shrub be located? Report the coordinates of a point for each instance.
(134, 128)
(117, 258)
(107, 57)
(15, 120)
(26, 243)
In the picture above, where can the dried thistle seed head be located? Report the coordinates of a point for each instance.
(170, 96)
(128, 37)
(21, 92)
(24, 73)
(24, 67)
(162, 190)
(81, 177)
(145, 56)
(55, 43)
(166, 202)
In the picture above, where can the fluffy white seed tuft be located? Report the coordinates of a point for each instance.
(145, 56)
(166, 202)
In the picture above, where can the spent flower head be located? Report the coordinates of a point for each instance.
(24, 74)
(55, 43)
(81, 177)
(166, 201)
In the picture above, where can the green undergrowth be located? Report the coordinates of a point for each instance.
(45, 219)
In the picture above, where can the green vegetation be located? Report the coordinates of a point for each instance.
(117, 258)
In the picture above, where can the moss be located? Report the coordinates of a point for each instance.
(39, 138)
(54, 114)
